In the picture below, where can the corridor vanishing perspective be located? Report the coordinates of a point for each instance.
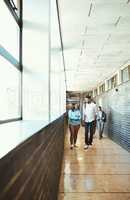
(64, 62)
(101, 172)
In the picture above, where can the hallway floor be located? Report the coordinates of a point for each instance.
(100, 173)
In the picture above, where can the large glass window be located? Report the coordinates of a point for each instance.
(9, 31)
(10, 74)
(9, 91)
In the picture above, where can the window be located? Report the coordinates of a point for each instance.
(102, 88)
(95, 92)
(9, 31)
(126, 74)
(10, 65)
(129, 71)
(109, 84)
(90, 93)
(9, 90)
(112, 83)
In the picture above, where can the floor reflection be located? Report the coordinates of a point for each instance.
(99, 173)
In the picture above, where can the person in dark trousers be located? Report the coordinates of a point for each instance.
(101, 119)
(89, 114)
(74, 116)
(95, 121)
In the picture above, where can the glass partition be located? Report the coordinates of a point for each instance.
(9, 31)
(10, 74)
(9, 90)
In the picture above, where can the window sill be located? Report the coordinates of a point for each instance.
(14, 133)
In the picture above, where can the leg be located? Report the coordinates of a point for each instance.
(102, 128)
(94, 127)
(71, 127)
(99, 128)
(86, 133)
(76, 129)
(100, 132)
(91, 132)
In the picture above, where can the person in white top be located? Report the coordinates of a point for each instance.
(89, 115)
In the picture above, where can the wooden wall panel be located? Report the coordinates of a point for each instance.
(31, 171)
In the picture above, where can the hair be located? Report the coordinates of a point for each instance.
(77, 106)
(100, 107)
(73, 106)
(88, 97)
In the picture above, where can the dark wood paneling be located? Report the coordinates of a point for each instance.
(117, 107)
(32, 170)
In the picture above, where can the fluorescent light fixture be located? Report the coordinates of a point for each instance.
(117, 22)
(90, 10)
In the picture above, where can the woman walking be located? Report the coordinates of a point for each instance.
(74, 124)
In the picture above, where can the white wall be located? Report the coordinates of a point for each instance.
(37, 58)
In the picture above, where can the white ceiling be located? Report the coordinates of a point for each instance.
(96, 39)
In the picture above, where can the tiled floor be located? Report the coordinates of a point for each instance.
(99, 173)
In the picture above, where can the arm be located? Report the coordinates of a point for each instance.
(84, 115)
(103, 116)
(69, 114)
(96, 112)
(79, 115)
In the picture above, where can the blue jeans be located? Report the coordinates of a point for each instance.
(100, 125)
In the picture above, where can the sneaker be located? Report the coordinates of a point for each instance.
(71, 147)
(75, 146)
(85, 146)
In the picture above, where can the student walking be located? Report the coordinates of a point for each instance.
(101, 119)
(89, 119)
(74, 116)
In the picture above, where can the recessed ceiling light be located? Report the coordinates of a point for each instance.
(90, 9)
(117, 22)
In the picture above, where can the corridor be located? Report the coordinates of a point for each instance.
(99, 173)
(64, 59)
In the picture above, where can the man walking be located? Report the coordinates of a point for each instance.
(101, 119)
(89, 114)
